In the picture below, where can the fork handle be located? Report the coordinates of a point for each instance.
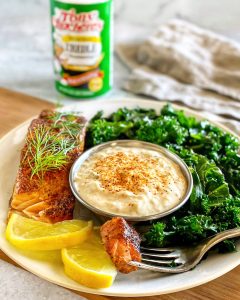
(221, 236)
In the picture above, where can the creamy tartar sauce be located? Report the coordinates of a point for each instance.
(131, 181)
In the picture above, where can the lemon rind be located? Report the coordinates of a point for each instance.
(84, 276)
(49, 242)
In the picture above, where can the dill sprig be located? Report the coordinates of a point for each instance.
(46, 150)
(48, 146)
(65, 122)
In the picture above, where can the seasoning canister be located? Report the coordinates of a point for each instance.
(82, 46)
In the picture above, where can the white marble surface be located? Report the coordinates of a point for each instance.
(19, 285)
(26, 66)
(25, 52)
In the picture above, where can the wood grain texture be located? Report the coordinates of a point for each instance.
(15, 108)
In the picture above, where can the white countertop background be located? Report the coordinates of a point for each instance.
(25, 41)
(26, 66)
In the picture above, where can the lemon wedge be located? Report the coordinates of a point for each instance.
(49, 256)
(28, 234)
(89, 263)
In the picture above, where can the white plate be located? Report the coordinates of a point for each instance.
(140, 283)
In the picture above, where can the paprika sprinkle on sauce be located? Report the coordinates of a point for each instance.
(131, 181)
(130, 172)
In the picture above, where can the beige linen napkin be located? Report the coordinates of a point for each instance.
(184, 63)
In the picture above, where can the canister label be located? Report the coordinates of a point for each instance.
(82, 47)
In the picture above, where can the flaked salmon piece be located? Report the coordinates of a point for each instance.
(122, 243)
(42, 192)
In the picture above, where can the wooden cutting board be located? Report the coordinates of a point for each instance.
(15, 108)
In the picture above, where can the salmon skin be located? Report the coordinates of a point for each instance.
(54, 141)
(122, 243)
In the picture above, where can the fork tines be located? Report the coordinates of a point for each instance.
(159, 256)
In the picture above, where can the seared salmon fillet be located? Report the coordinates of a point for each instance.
(54, 140)
(122, 243)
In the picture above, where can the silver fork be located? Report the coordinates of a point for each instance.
(181, 259)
